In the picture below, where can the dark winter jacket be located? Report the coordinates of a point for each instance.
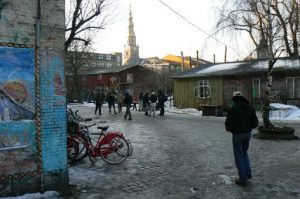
(100, 97)
(145, 100)
(161, 98)
(153, 98)
(127, 100)
(111, 99)
(241, 118)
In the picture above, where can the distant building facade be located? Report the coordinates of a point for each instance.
(91, 61)
(131, 51)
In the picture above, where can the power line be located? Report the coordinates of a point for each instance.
(197, 27)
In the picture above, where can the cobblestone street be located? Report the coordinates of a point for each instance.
(174, 153)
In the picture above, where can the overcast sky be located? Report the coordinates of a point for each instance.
(160, 31)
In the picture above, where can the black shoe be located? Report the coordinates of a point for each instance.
(240, 182)
(130, 119)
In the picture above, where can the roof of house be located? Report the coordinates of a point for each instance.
(178, 59)
(105, 70)
(110, 70)
(240, 68)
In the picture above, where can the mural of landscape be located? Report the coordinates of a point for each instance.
(17, 101)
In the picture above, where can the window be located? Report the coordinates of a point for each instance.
(108, 65)
(129, 78)
(202, 90)
(100, 57)
(256, 88)
(99, 77)
(108, 57)
(293, 87)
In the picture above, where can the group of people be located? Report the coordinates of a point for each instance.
(147, 103)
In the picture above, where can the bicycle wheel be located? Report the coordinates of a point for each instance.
(116, 151)
(76, 150)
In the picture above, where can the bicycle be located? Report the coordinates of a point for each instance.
(76, 151)
(111, 146)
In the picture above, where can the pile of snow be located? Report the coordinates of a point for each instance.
(47, 194)
(284, 112)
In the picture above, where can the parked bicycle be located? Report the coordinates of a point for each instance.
(111, 146)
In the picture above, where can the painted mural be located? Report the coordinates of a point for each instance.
(16, 84)
(17, 125)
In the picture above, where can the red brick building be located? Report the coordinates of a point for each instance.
(133, 79)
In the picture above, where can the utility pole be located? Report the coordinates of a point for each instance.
(225, 56)
(197, 52)
(190, 58)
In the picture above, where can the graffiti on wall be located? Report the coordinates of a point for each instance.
(16, 84)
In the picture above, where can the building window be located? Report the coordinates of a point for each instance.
(108, 65)
(129, 78)
(108, 57)
(100, 57)
(256, 88)
(83, 78)
(99, 77)
(293, 87)
(203, 90)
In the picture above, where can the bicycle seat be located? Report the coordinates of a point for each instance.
(103, 128)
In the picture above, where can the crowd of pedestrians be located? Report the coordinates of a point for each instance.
(147, 103)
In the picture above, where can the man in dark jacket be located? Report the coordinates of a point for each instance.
(99, 99)
(240, 121)
(111, 100)
(127, 102)
(146, 103)
(161, 102)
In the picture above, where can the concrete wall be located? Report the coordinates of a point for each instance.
(19, 157)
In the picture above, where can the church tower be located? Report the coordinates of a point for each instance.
(131, 54)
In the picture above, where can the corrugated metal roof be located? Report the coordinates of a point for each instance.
(240, 68)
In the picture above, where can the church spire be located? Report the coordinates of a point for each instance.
(131, 54)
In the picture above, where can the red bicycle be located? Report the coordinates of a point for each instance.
(111, 146)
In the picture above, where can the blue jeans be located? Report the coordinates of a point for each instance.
(240, 147)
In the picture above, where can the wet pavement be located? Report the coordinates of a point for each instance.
(175, 153)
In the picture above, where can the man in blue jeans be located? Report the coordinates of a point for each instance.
(240, 120)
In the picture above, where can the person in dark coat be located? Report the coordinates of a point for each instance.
(111, 100)
(240, 121)
(99, 99)
(161, 102)
(127, 102)
(146, 103)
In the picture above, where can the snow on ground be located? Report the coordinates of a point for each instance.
(47, 194)
(284, 112)
(278, 111)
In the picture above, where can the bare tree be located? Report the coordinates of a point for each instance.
(77, 58)
(84, 18)
(275, 23)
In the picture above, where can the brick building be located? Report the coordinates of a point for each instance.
(32, 96)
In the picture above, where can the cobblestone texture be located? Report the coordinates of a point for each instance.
(177, 152)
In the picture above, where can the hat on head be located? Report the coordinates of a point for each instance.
(237, 93)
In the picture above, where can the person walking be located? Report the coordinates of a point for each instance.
(119, 99)
(99, 99)
(111, 100)
(153, 100)
(240, 120)
(127, 102)
(146, 104)
(161, 102)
